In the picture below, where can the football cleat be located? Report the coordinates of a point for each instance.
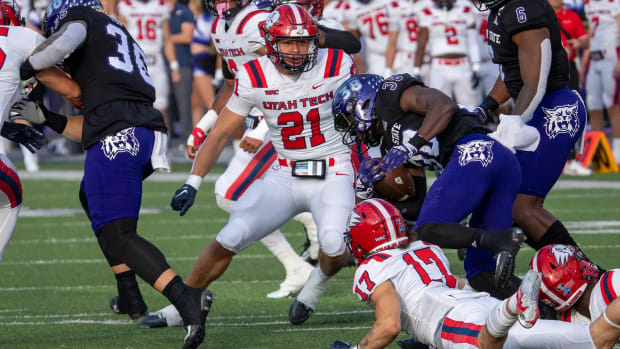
(505, 260)
(294, 281)
(196, 332)
(298, 313)
(137, 308)
(308, 252)
(485, 282)
(527, 299)
(153, 320)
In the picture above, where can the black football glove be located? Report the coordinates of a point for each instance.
(338, 344)
(24, 135)
(183, 198)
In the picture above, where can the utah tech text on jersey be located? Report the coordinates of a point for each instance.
(305, 102)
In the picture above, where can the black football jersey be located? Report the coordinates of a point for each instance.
(109, 67)
(514, 17)
(397, 122)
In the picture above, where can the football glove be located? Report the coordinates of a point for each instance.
(24, 135)
(515, 135)
(31, 89)
(370, 173)
(183, 198)
(29, 111)
(397, 156)
(338, 344)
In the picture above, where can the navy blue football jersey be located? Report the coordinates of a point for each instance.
(516, 16)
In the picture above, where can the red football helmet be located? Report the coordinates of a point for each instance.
(291, 22)
(315, 7)
(565, 275)
(375, 225)
(10, 14)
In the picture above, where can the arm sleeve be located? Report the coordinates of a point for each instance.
(241, 101)
(341, 39)
(70, 36)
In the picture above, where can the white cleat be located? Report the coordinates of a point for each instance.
(527, 299)
(295, 281)
(575, 168)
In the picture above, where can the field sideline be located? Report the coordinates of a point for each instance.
(55, 284)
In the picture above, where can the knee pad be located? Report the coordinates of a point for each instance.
(234, 236)
(331, 242)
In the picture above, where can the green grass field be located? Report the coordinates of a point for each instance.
(55, 284)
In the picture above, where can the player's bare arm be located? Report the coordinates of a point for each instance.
(605, 330)
(225, 126)
(436, 106)
(534, 62)
(422, 41)
(58, 81)
(387, 318)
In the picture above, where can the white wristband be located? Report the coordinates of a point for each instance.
(174, 65)
(609, 321)
(207, 121)
(194, 181)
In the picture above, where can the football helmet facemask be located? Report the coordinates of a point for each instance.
(375, 225)
(354, 109)
(10, 14)
(222, 9)
(291, 22)
(565, 275)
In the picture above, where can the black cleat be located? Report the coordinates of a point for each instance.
(154, 320)
(305, 253)
(196, 332)
(135, 309)
(505, 260)
(298, 313)
(485, 282)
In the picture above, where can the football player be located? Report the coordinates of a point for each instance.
(313, 171)
(375, 21)
(125, 140)
(16, 43)
(573, 287)
(423, 127)
(411, 288)
(448, 28)
(603, 72)
(406, 41)
(525, 39)
(147, 22)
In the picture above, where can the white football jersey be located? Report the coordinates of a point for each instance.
(481, 28)
(605, 291)
(297, 112)
(336, 9)
(447, 30)
(238, 44)
(408, 27)
(16, 44)
(144, 21)
(421, 276)
(603, 26)
(374, 21)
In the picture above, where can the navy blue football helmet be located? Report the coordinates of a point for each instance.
(354, 109)
(58, 8)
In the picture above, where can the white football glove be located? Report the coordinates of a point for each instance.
(27, 110)
(515, 135)
(203, 126)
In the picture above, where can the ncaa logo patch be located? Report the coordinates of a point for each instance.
(123, 141)
(561, 119)
(476, 151)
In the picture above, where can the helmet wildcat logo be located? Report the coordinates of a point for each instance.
(562, 254)
(561, 119)
(274, 17)
(477, 150)
(123, 141)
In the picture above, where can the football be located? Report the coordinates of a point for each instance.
(397, 185)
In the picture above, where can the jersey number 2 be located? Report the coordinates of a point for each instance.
(289, 133)
(124, 62)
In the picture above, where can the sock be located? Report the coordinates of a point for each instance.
(556, 234)
(449, 235)
(512, 303)
(280, 247)
(186, 299)
(499, 321)
(129, 296)
(314, 288)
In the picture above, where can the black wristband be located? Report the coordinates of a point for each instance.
(418, 141)
(26, 71)
(56, 122)
(490, 104)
